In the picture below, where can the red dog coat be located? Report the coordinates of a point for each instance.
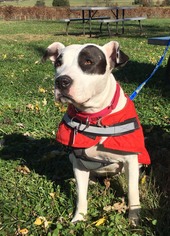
(130, 142)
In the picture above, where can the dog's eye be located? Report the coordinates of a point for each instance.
(88, 62)
(58, 63)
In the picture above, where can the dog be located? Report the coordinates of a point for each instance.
(101, 124)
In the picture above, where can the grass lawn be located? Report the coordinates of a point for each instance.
(25, 3)
(37, 193)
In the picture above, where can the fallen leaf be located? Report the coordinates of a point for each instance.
(41, 90)
(120, 206)
(23, 169)
(52, 195)
(23, 231)
(57, 104)
(42, 220)
(63, 109)
(107, 183)
(26, 134)
(99, 222)
(143, 180)
(20, 125)
(107, 208)
(4, 56)
(44, 102)
(37, 108)
(30, 106)
(38, 221)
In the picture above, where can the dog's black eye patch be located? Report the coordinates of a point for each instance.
(92, 60)
(59, 61)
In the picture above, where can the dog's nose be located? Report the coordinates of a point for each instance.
(63, 82)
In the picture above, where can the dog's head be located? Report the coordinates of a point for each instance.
(83, 71)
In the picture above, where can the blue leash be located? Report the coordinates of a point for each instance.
(138, 89)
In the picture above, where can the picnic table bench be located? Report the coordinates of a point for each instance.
(84, 20)
(162, 41)
(91, 15)
(108, 21)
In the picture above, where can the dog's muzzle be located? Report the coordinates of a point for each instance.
(63, 82)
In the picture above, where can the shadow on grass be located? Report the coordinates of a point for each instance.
(48, 158)
(157, 143)
(132, 30)
(136, 72)
(44, 156)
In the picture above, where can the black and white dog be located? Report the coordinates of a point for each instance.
(101, 124)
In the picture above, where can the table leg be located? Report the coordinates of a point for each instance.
(108, 28)
(83, 22)
(68, 23)
(101, 24)
(117, 17)
(168, 71)
(90, 21)
(123, 25)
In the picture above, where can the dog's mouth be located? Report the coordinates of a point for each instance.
(64, 98)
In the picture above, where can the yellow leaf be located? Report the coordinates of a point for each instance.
(42, 220)
(63, 109)
(23, 231)
(41, 90)
(57, 104)
(4, 56)
(38, 221)
(37, 108)
(44, 102)
(52, 195)
(99, 222)
(143, 180)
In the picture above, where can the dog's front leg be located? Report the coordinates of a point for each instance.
(132, 175)
(82, 178)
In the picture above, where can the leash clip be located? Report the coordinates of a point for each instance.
(77, 128)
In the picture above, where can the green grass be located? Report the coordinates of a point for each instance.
(28, 121)
(26, 3)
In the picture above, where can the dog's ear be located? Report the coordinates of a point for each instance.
(115, 56)
(52, 52)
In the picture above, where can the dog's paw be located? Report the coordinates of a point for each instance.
(134, 216)
(78, 217)
(134, 222)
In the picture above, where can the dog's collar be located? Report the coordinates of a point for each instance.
(93, 118)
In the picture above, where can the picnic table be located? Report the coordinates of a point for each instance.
(162, 41)
(88, 14)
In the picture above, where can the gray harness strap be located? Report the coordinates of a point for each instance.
(128, 126)
(89, 163)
